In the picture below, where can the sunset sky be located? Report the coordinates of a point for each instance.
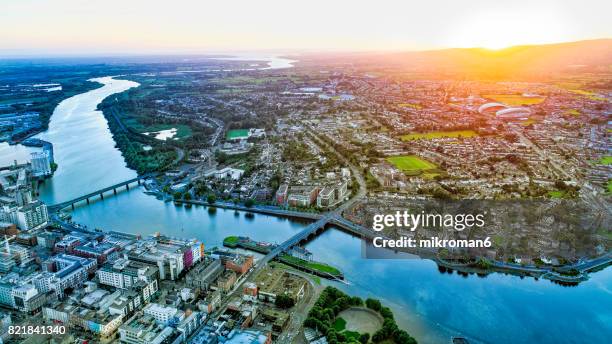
(68, 27)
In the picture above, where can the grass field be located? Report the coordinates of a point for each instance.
(589, 94)
(528, 122)
(514, 99)
(313, 265)
(605, 160)
(237, 133)
(438, 135)
(556, 194)
(411, 163)
(410, 105)
(182, 131)
(230, 241)
(339, 324)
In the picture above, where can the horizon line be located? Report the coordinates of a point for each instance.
(277, 52)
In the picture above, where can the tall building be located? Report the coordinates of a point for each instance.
(41, 164)
(31, 216)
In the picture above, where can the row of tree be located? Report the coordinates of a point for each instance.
(333, 301)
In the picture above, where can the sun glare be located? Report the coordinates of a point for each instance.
(499, 30)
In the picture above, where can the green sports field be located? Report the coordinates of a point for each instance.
(438, 135)
(237, 133)
(411, 163)
(605, 160)
(514, 99)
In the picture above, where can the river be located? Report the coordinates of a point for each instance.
(83, 147)
(431, 305)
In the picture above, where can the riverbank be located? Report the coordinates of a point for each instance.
(142, 153)
(306, 265)
(41, 101)
(551, 273)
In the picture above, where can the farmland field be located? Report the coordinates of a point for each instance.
(514, 99)
(411, 163)
(438, 135)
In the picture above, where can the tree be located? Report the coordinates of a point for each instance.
(178, 195)
(386, 313)
(187, 196)
(284, 302)
(373, 304)
(356, 301)
(249, 203)
(211, 198)
(364, 338)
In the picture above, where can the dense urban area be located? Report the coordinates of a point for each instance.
(332, 140)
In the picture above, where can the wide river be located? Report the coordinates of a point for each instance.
(431, 305)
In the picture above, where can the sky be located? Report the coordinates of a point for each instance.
(90, 27)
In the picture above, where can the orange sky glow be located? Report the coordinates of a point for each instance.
(39, 27)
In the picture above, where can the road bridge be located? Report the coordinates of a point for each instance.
(100, 192)
(313, 229)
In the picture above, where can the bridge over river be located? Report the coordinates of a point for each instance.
(59, 206)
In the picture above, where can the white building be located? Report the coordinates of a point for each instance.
(160, 313)
(124, 273)
(227, 172)
(32, 216)
(41, 164)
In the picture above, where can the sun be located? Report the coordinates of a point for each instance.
(498, 30)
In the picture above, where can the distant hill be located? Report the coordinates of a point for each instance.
(518, 62)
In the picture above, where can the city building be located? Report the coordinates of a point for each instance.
(19, 293)
(162, 314)
(302, 196)
(32, 216)
(100, 251)
(204, 274)
(124, 274)
(41, 164)
(62, 272)
(239, 336)
(300, 252)
(281, 194)
(169, 255)
(143, 329)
